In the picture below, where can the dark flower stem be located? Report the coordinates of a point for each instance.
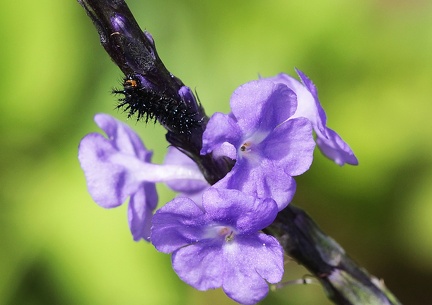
(134, 53)
(344, 282)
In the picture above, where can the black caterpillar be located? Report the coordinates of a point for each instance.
(152, 105)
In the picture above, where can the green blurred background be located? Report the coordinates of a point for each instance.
(371, 61)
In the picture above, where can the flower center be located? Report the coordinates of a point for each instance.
(221, 231)
(227, 232)
(249, 151)
(246, 146)
(251, 143)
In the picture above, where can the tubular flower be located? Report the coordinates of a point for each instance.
(219, 244)
(119, 167)
(269, 145)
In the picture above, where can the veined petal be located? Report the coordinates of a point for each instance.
(265, 169)
(329, 142)
(107, 162)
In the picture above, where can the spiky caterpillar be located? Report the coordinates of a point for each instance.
(154, 105)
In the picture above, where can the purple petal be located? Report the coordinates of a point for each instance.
(263, 181)
(244, 212)
(261, 214)
(123, 138)
(113, 167)
(106, 182)
(268, 259)
(140, 211)
(201, 265)
(187, 186)
(242, 262)
(290, 146)
(116, 168)
(249, 263)
(242, 268)
(220, 129)
(266, 170)
(329, 142)
(309, 104)
(309, 107)
(262, 105)
(179, 223)
(336, 149)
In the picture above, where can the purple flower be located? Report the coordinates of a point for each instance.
(329, 142)
(269, 147)
(119, 167)
(218, 243)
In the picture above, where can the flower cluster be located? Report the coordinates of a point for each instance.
(214, 232)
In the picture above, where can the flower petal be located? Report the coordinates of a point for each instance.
(177, 224)
(244, 212)
(262, 105)
(309, 106)
(188, 185)
(114, 167)
(106, 182)
(140, 211)
(336, 149)
(123, 138)
(290, 146)
(200, 265)
(221, 129)
(248, 264)
(267, 170)
(263, 181)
